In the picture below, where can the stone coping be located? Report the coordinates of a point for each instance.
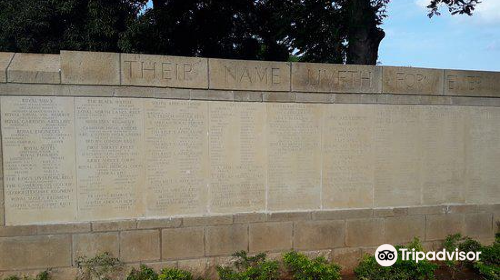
(139, 70)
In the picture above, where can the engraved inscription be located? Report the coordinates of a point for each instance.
(465, 83)
(410, 80)
(109, 157)
(237, 157)
(176, 157)
(38, 152)
(348, 163)
(472, 83)
(397, 155)
(158, 70)
(340, 79)
(294, 156)
(258, 74)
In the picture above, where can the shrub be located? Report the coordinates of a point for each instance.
(466, 244)
(99, 267)
(302, 268)
(369, 269)
(489, 264)
(143, 273)
(174, 274)
(44, 275)
(250, 268)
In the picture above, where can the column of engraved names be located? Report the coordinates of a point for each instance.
(294, 156)
(347, 156)
(109, 157)
(443, 151)
(237, 157)
(176, 157)
(38, 150)
(397, 142)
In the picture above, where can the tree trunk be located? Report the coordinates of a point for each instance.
(364, 36)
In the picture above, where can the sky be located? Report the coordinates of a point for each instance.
(454, 42)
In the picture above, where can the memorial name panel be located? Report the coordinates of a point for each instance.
(348, 163)
(110, 152)
(397, 142)
(176, 157)
(294, 156)
(442, 131)
(38, 153)
(483, 155)
(237, 157)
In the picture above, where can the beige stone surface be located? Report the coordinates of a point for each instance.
(314, 77)
(294, 156)
(109, 157)
(225, 240)
(114, 225)
(397, 155)
(347, 258)
(2, 201)
(35, 252)
(140, 245)
(176, 157)
(400, 230)
(483, 155)
(90, 68)
(479, 225)
(348, 156)
(34, 69)
(183, 243)
(439, 226)
(443, 162)
(249, 75)
(410, 80)
(472, 83)
(5, 59)
(269, 237)
(90, 245)
(164, 71)
(317, 235)
(39, 148)
(238, 158)
(365, 232)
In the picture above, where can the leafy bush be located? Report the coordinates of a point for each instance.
(99, 267)
(250, 268)
(302, 268)
(143, 273)
(174, 274)
(44, 275)
(489, 264)
(369, 269)
(465, 244)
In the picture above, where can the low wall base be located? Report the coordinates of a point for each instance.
(199, 244)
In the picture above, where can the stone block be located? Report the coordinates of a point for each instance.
(90, 68)
(301, 97)
(5, 59)
(342, 214)
(278, 96)
(288, 216)
(245, 218)
(207, 221)
(400, 230)
(183, 243)
(479, 225)
(202, 268)
(453, 209)
(226, 240)
(164, 71)
(427, 210)
(347, 258)
(140, 245)
(34, 69)
(317, 235)
(114, 225)
(249, 75)
(390, 212)
(153, 92)
(313, 77)
(31, 252)
(90, 245)
(410, 80)
(365, 232)
(159, 223)
(221, 95)
(269, 237)
(248, 96)
(472, 83)
(440, 226)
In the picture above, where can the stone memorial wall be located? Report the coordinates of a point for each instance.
(182, 161)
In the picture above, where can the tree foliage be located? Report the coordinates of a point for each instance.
(336, 31)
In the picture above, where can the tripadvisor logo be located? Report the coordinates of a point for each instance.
(387, 255)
